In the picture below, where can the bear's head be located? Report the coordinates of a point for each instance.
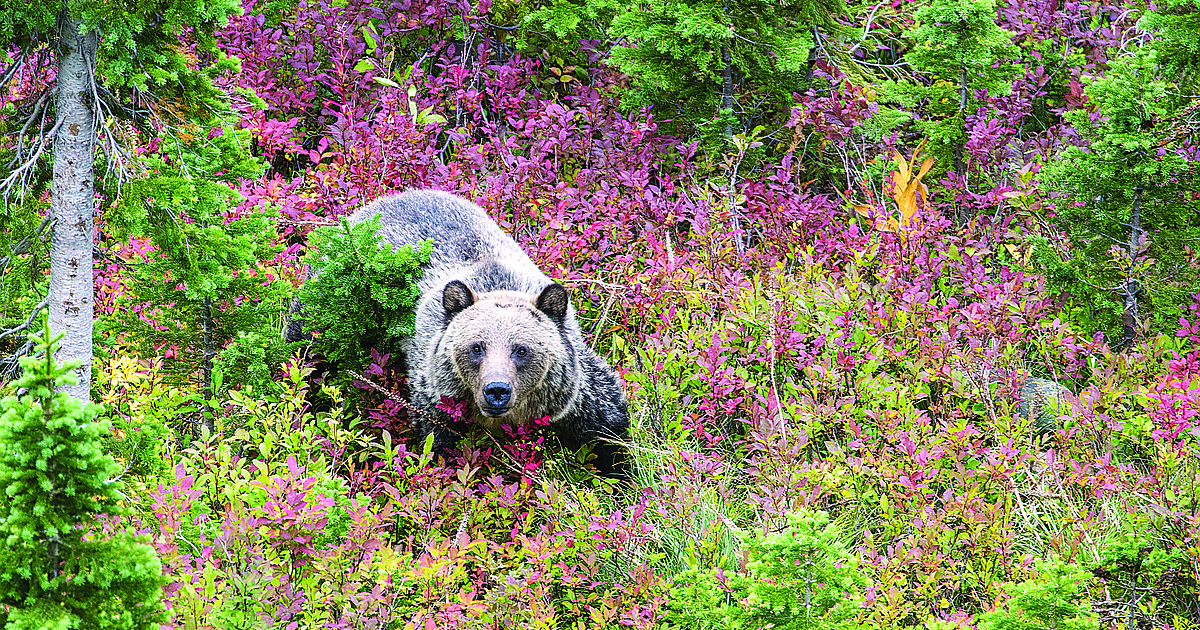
(509, 352)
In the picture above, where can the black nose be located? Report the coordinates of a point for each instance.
(497, 395)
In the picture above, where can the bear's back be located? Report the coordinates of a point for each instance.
(463, 234)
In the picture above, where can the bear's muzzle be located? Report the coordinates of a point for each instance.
(496, 399)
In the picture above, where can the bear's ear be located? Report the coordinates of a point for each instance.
(456, 297)
(553, 301)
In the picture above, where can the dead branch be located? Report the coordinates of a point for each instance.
(28, 321)
(33, 115)
(12, 70)
(21, 173)
(10, 363)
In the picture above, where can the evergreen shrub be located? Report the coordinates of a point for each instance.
(59, 567)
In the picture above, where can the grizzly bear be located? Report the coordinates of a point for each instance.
(495, 332)
(1042, 400)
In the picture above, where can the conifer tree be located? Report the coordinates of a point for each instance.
(1177, 27)
(361, 293)
(957, 45)
(204, 285)
(112, 60)
(1056, 598)
(801, 578)
(1124, 203)
(59, 568)
(693, 57)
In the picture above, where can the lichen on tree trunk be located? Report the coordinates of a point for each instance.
(72, 202)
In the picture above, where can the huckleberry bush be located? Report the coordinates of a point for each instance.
(66, 558)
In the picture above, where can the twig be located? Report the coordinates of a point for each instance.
(12, 70)
(25, 243)
(750, 41)
(33, 114)
(9, 364)
(319, 223)
(400, 401)
(37, 309)
(607, 285)
(21, 172)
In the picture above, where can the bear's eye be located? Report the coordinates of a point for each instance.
(476, 349)
(521, 351)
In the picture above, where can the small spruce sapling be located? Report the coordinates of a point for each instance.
(360, 294)
(1136, 561)
(205, 283)
(801, 578)
(1056, 598)
(58, 567)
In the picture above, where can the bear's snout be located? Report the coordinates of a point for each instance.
(496, 397)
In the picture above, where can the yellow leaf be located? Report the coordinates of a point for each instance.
(909, 193)
(865, 210)
(925, 166)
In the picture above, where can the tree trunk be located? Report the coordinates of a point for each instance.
(727, 86)
(959, 166)
(727, 77)
(813, 55)
(72, 202)
(1132, 287)
(209, 353)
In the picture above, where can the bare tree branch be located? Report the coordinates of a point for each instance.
(33, 115)
(10, 363)
(21, 173)
(24, 244)
(12, 69)
(29, 320)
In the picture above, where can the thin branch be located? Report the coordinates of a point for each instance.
(22, 172)
(37, 309)
(400, 401)
(112, 151)
(24, 244)
(902, 64)
(866, 29)
(10, 363)
(1098, 287)
(750, 41)
(13, 69)
(37, 107)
